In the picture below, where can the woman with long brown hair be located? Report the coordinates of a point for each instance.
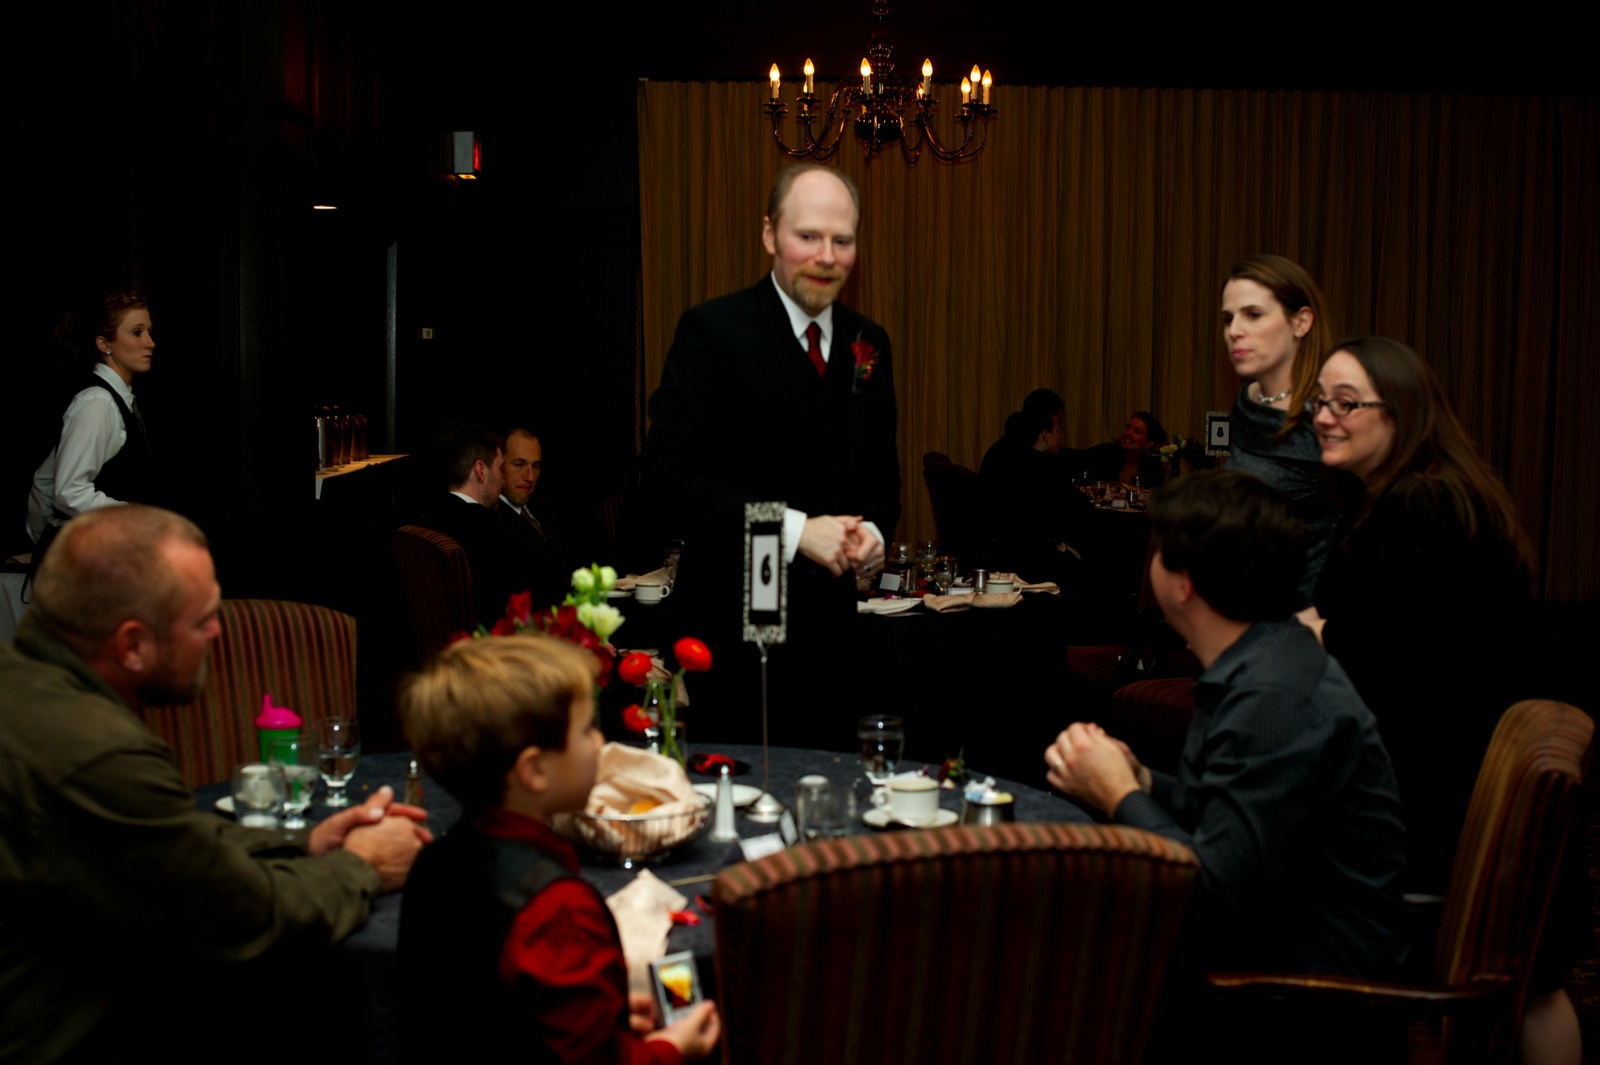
(1274, 327)
(1422, 602)
(1430, 580)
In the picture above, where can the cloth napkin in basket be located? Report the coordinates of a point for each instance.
(629, 776)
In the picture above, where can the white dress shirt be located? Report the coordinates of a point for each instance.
(794, 521)
(92, 434)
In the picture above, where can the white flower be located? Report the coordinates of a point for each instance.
(608, 578)
(582, 582)
(604, 619)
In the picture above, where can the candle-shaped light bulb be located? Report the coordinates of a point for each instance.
(927, 77)
(966, 91)
(988, 82)
(977, 75)
(772, 75)
(810, 71)
(866, 75)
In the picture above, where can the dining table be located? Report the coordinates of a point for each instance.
(366, 959)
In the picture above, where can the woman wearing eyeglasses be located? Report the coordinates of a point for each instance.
(1421, 603)
(1431, 576)
(1275, 329)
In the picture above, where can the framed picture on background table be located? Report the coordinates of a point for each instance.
(1219, 432)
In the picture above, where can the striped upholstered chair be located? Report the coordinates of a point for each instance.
(1518, 823)
(304, 655)
(944, 946)
(438, 587)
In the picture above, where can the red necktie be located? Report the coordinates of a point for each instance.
(814, 348)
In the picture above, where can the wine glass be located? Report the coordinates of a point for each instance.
(297, 756)
(338, 750)
(258, 793)
(944, 573)
(883, 741)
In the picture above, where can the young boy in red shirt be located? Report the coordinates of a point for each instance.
(503, 946)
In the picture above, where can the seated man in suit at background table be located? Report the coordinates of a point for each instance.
(121, 906)
(533, 521)
(468, 462)
(1284, 791)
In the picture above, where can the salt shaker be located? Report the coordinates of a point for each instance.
(725, 829)
(413, 784)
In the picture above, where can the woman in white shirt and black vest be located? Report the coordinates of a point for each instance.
(103, 457)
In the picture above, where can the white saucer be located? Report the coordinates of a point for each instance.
(878, 817)
(743, 794)
(619, 593)
(225, 805)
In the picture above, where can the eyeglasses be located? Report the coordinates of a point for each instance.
(1339, 407)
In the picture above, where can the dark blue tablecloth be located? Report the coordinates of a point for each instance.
(367, 957)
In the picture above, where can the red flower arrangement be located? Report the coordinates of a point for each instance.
(693, 657)
(583, 618)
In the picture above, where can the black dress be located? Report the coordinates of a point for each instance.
(1427, 620)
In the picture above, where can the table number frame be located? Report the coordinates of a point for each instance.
(766, 577)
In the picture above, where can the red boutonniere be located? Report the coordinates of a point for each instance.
(866, 361)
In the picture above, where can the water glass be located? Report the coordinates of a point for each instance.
(338, 750)
(823, 811)
(297, 756)
(883, 742)
(258, 795)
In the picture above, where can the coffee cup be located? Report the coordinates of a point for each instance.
(910, 800)
(649, 592)
(1000, 586)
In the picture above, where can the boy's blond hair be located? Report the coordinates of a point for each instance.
(480, 703)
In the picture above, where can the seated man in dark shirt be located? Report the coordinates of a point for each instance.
(1284, 791)
(1033, 519)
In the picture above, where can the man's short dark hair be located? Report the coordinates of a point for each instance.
(1237, 539)
(1038, 413)
(458, 447)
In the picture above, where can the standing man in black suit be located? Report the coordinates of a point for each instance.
(778, 392)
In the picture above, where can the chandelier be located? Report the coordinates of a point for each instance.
(876, 108)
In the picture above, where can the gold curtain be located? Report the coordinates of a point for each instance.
(1084, 252)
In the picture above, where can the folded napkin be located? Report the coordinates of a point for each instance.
(1050, 587)
(628, 779)
(643, 911)
(631, 581)
(946, 604)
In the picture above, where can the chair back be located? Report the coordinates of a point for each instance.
(437, 583)
(1517, 824)
(957, 508)
(304, 655)
(1016, 943)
